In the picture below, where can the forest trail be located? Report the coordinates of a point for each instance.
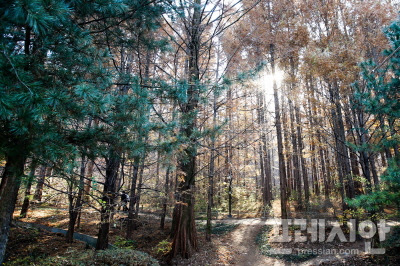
(244, 239)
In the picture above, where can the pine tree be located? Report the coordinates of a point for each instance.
(51, 77)
(378, 94)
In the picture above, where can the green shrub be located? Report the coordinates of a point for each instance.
(32, 259)
(163, 247)
(121, 242)
(393, 241)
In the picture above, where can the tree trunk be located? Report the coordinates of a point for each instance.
(210, 193)
(286, 147)
(165, 199)
(282, 170)
(394, 134)
(40, 184)
(373, 170)
(314, 173)
(265, 178)
(139, 191)
(340, 141)
(132, 199)
(328, 168)
(107, 205)
(313, 123)
(184, 233)
(260, 118)
(25, 204)
(268, 178)
(295, 158)
(358, 189)
(89, 179)
(10, 183)
(75, 202)
(121, 174)
(294, 137)
(229, 151)
(90, 168)
(323, 166)
(262, 171)
(158, 163)
(211, 172)
(383, 159)
(302, 159)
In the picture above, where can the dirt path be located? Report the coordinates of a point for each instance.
(248, 253)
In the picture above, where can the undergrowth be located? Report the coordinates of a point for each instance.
(219, 228)
(262, 241)
(110, 257)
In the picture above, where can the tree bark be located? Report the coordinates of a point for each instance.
(40, 184)
(10, 183)
(373, 170)
(302, 159)
(282, 170)
(295, 158)
(139, 191)
(287, 151)
(25, 204)
(108, 199)
(132, 199)
(312, 116)
(262, 171)
(340, 141)
(265, 178)
(165, 199)
(75, 202)
(358, 189)
(211, 171)
(90, 168)
(210, 194)
(184, 233)
(294, 137)
(268, 177)
(323, 167)
(89, 179)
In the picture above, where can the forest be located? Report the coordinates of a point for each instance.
(199, 132)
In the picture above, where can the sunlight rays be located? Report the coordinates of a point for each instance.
(267, 80)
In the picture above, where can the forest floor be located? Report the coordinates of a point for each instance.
(234, 242)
